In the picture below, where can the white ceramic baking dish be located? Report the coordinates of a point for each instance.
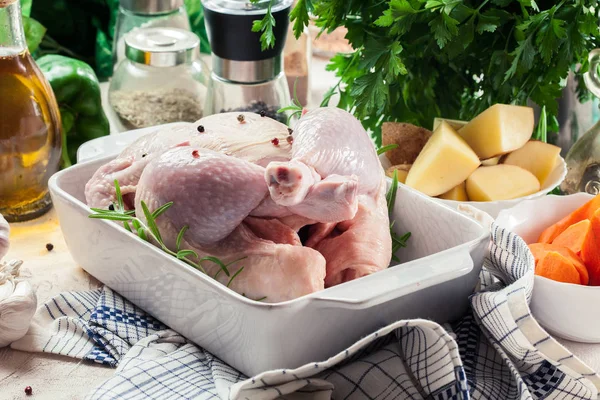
(439, 270)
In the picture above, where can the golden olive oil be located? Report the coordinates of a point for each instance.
(30, 140)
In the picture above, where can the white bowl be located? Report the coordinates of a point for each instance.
(493, 208)
(566, 310)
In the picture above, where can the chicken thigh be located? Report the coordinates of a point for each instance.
(213, 194)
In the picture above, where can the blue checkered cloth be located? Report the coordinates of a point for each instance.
(497, 351)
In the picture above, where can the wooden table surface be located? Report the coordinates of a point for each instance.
(50, 376)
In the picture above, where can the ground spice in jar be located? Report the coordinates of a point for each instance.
(140, 108)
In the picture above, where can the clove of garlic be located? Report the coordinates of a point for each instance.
(18, 303)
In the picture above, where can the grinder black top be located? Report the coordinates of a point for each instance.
(237, 54)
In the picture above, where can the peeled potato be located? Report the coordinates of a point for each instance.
(500, 129)
(501, 182)
(445, 161)
(539, 158)
(457, 193)
(402, 171)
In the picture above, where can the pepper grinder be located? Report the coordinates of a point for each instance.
(244, 77)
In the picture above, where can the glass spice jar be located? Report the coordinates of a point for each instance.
(134, 14)
(162, 79)
(30, 125)
(296, 63)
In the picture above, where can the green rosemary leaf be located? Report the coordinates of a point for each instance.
(101, 210)
(180, 236)
(181, 254)
(111, 217)
(261, 299)
(142, 233)
(136, 224)
(151, 222)
(386, 148)
(295, 94)
(292, 107)
(126, 225)
(391, 194)
(219, 263)
(541, 131)
(234, 276)
(119, 196)
(156, 213)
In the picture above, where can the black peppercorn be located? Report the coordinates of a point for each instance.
(111, 207)
(241, 118)
(49, 246)
(200, 128)
(144, 155)
(290, 131)
(262, 113)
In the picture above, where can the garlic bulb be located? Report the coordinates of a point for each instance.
(17, 303)
(4, 231)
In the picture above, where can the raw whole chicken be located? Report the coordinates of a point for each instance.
(305, 209)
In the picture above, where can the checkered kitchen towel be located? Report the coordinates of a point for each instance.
(498, 351)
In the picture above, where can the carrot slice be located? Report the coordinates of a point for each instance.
(590, 252)
(557, 267)
(586, 211)
(574, 236)
(539, 250)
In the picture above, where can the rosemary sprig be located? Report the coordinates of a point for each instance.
(541, 131)
(383, 149)
(149, 232)
(398, 242)
(295, 107)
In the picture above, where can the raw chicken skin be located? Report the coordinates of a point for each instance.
(250, 141)
(212, 194)
(333, 161)
(302, 212)
(357, 247)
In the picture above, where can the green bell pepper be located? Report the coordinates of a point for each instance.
(77, 92)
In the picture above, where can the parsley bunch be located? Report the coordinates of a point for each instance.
(420, 59)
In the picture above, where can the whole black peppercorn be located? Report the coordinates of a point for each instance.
(241, 118)
(290, 131)
(200, 128)
(49, 246)
(262, 113)
(111, 207)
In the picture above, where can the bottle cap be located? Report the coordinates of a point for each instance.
(150, 6)
(161, 47)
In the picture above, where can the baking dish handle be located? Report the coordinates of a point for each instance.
(399, 280)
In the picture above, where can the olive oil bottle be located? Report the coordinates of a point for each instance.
(30, 139)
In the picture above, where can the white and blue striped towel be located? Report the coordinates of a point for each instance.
(497, 351)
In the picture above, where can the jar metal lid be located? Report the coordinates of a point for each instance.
(151, 6)
(161, 47)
